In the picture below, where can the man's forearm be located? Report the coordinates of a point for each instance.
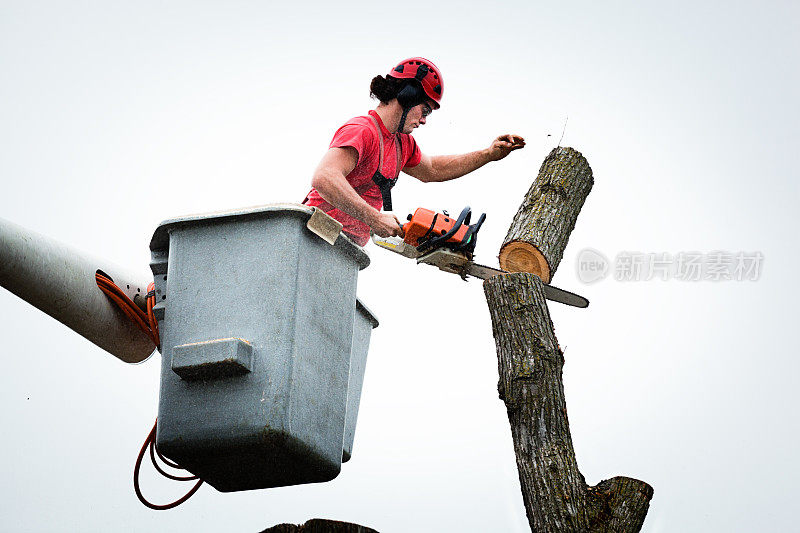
(336, 190)
(448, 167)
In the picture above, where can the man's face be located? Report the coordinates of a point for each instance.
(417, 116)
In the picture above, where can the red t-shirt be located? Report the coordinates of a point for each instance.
(359, 133)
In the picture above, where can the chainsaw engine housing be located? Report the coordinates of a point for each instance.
(427, 230)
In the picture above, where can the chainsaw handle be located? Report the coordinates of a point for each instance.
(471, 236)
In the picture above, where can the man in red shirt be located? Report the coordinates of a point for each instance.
(354, 179)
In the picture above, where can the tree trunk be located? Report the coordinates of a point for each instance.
(530, 363)
(537, 237)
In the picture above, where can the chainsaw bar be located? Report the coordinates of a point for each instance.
(458, 263)
(461, 264)
(551, 293)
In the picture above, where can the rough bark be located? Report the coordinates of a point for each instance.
(530, 363)
(319, 525)
(537, 237)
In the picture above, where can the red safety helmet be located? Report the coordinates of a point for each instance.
(426, 73)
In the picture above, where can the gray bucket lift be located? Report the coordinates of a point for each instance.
(259, 322)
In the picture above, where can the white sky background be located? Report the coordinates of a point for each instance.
(115, 116)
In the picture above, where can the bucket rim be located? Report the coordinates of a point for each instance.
(160, 239)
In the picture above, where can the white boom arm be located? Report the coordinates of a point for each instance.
(61, 282)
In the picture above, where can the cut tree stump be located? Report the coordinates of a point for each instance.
(540, 231)
(530, 364)
(320, 525)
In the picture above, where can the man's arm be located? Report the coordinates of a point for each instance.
(448, 167)
(330, 180)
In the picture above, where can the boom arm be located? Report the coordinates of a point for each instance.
(60, 281)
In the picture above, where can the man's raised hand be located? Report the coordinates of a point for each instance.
(504, 145)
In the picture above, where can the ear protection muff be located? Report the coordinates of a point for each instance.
(409, 96)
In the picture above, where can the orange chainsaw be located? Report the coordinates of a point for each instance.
(448, 243)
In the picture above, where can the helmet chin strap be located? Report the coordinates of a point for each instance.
(408, 97)
(402, 123)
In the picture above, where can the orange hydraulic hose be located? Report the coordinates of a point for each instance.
(151, 318)
(127, 306)
(149, 325)
(149, 441)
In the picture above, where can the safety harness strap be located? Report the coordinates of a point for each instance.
(385, 184)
